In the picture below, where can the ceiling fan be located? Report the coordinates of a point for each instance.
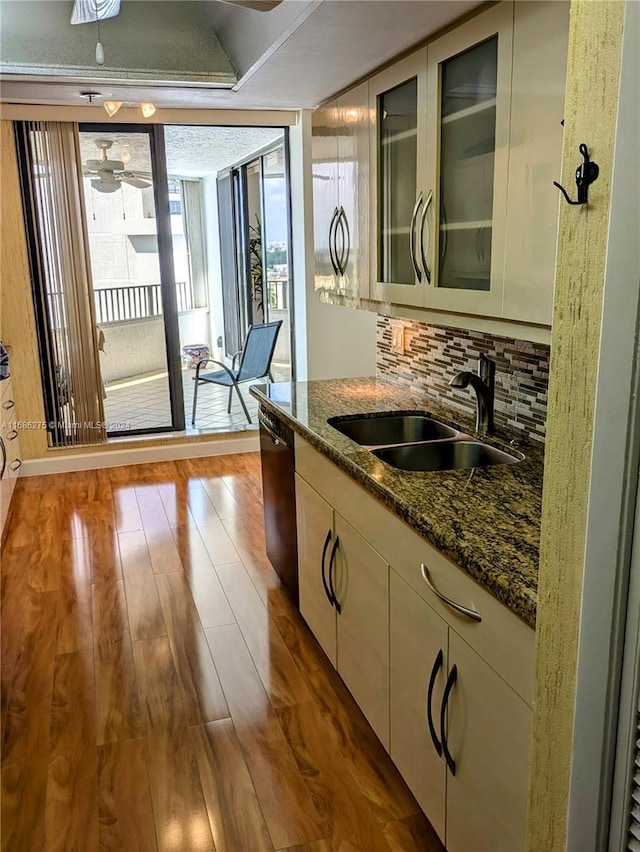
(90, 11)
(107, 175)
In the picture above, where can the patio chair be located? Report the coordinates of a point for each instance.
(255, 363)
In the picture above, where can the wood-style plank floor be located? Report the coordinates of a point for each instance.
(159, 690)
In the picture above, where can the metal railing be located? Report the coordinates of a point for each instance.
(120, 304)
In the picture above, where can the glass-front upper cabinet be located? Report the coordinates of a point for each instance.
(469, 96)
(398, 105)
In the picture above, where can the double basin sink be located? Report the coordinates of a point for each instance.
(417, 442)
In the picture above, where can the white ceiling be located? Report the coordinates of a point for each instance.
(293, 57)
(191, 151)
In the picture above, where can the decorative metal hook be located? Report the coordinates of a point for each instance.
(586, 173)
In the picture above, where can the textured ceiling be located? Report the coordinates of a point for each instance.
(191, 151)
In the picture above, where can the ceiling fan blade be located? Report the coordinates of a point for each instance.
(134, 181)
(256, 5)
(90, 11)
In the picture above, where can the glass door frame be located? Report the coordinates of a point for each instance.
(160, 184)
(239, 184)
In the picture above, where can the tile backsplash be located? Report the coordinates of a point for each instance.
(434, 354)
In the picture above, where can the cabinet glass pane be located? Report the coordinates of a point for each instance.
(397, 158)
(467, 149)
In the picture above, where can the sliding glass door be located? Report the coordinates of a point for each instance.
(129, 236)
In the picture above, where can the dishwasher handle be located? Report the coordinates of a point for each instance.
(278, 440)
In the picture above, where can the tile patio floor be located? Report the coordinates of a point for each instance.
(142, 402)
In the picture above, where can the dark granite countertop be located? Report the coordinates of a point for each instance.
(486, 520)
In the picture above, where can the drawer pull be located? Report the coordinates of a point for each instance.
(453, 676)
(8, 404)
(437, 665)
(15, 464)
(12, 435)
(4, 457)
(463, 610)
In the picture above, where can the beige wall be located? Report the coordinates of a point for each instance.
(590, 116)
(17, 328)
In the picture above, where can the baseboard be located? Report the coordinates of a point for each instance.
(139, 455)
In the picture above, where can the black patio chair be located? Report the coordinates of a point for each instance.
(255, 363)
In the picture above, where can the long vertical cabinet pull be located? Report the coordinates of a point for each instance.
(412, 237)
(4, 457)
(332, 249)
(423, 222)
(336, 603)
(324, 579)
(453, 676)
(437, 665)
(343, 259)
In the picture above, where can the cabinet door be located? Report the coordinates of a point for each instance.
(361, 582)
(469, 100)
(397, 99)
(315, 539)
(535, 155)
(489, 728)
(418, 637)
(324, 149)
(352, 229)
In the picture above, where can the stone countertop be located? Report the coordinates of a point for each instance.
(486, 520)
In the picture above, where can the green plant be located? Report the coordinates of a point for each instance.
(255, 264)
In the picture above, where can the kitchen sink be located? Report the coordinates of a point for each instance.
(444, 455)
(392, 429)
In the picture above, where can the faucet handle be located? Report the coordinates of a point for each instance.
(486, 369)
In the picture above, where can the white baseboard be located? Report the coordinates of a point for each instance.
(139, 455)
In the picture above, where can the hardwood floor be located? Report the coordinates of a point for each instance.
(159, 690)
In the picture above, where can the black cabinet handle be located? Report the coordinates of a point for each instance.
(331, 561)
(4, 457)
(432, 681)
(427, 204)
(346, 241)
(412, 238)
(453, 675)
(324, 579)
(333, 254)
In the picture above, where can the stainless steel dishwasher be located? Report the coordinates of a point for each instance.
(278, 485)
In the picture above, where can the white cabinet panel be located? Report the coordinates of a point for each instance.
(418, 657)
(315, 533)
(489, 729)
(535, 154)
(361, 582)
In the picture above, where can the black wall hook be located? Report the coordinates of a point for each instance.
(586, 173)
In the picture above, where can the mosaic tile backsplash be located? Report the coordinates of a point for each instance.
(434, 354)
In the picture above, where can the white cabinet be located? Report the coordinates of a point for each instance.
(446, 682)
(459, 733)
(340, 151)
(465, 142)
(535, 150)
(488, 733)
(344, 594)
(315, 533)
(469, 100)
(10, 459)
(398, 100)
(418, 654)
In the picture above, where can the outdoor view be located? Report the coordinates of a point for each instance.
(123, 242)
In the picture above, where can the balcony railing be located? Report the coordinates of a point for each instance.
(119, 304)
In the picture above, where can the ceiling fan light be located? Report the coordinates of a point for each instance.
(105, 185)
(112, 107)
(148, 109)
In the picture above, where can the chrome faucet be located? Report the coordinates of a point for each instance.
(483, 383)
